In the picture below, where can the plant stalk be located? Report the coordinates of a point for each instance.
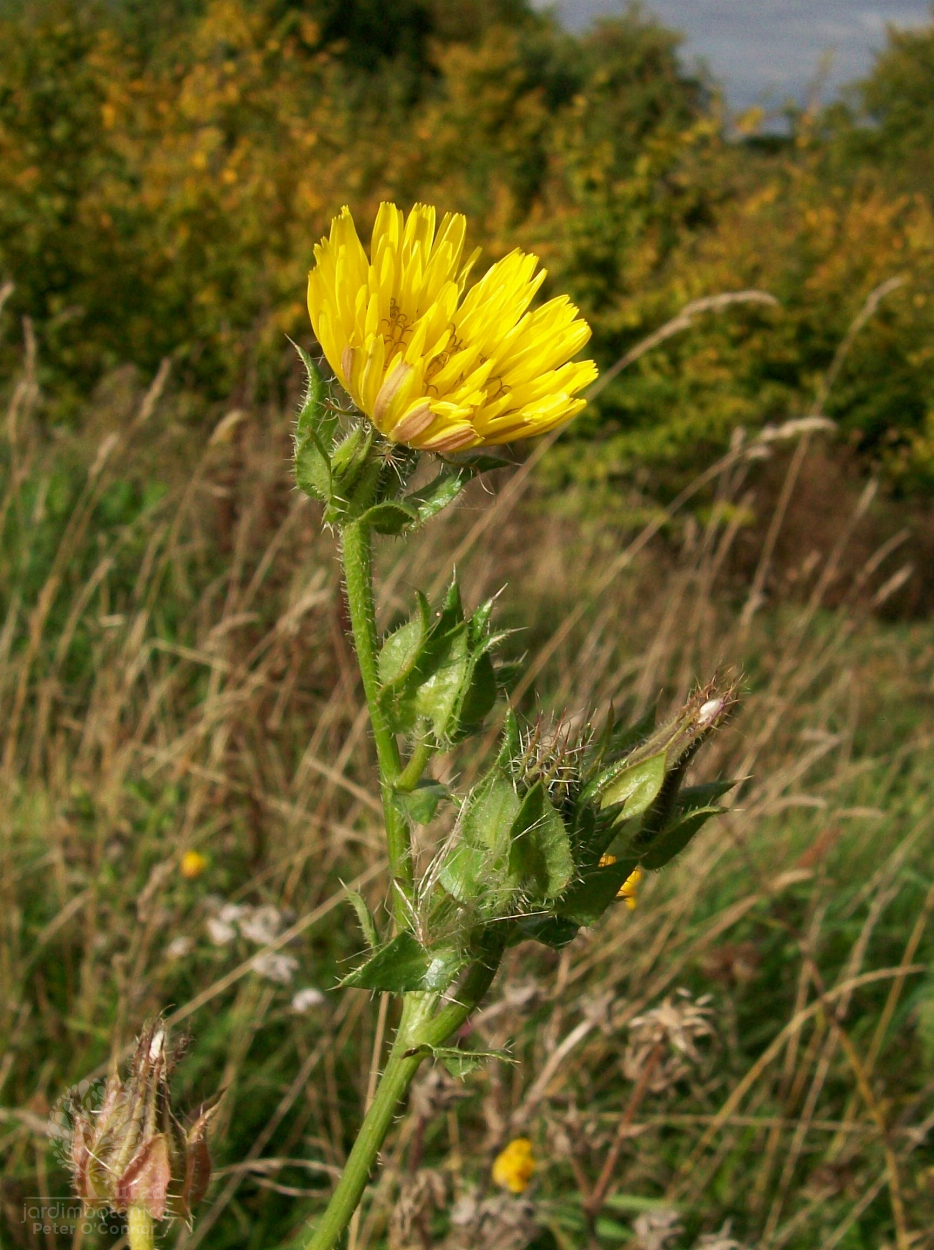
(357, 556)
(420, 1029)
(140, 1229)
(418, 1032)
(393, 1086)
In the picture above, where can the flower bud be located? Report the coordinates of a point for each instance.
(132, 1151)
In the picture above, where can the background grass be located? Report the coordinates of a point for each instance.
(175, 675)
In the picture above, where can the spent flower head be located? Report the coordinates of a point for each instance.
(434, 367)
(666, 1037)
(132, 1151)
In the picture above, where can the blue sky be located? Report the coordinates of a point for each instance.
(769, 51)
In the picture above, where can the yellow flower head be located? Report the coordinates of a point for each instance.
(514, 1166)
(629, 890)
(431, 366)
(193, 865)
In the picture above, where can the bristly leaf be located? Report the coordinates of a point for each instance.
(438, 494)
(404, 966)
(421, 804)
(400, 649)
(512, 741)
(451, 685)
(553, 931)
(317, 414)
(587, 899)
(540, 859)
(367, 923)
(634, 789)
(476, 869)
(391, 517)
(691, 798)
(312, 467)
(460, 1063)
(671, 841)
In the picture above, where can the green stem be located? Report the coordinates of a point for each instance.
(393, 1086)
(417, 1033)
(358, 577)
(140, 1229)
(411, 775)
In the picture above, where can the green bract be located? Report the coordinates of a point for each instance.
(436, 673)
(338, 467)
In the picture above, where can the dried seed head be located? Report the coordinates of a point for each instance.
(132, 1151)
(666, 1037)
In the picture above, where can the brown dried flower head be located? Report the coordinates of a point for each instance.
(132, 1151)
(666, 1037)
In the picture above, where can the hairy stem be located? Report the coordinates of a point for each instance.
(357, 558)
(419, 1030)
(393, 1086)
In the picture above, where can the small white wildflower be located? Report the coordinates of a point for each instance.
(305, 999)
(655, 1230)
(179, 947)
(261, 925)
(219, 931)
(232, 913)
(276, 967)
(724, 1240)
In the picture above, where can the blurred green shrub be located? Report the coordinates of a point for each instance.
(166, 169)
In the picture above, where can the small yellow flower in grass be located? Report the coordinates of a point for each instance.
(514, 1166)
(629, 890)
(193, 865)
(431, 366)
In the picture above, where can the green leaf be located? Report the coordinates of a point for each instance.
(461, 1063)
(512, 741)
(348, 456)
(480, 620)
(404, 965)
(477, 867)
(438, 494)
(692, 798)
(553, 931)
(479, 697)
(367, 923)
(390, 517)
(634, 789)
(483, 462)
(421, 803)
(540, 858)
(400, 649)
(589, 897)
(675, 838)
(444, 665)
(316, 415)
(312, 467)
